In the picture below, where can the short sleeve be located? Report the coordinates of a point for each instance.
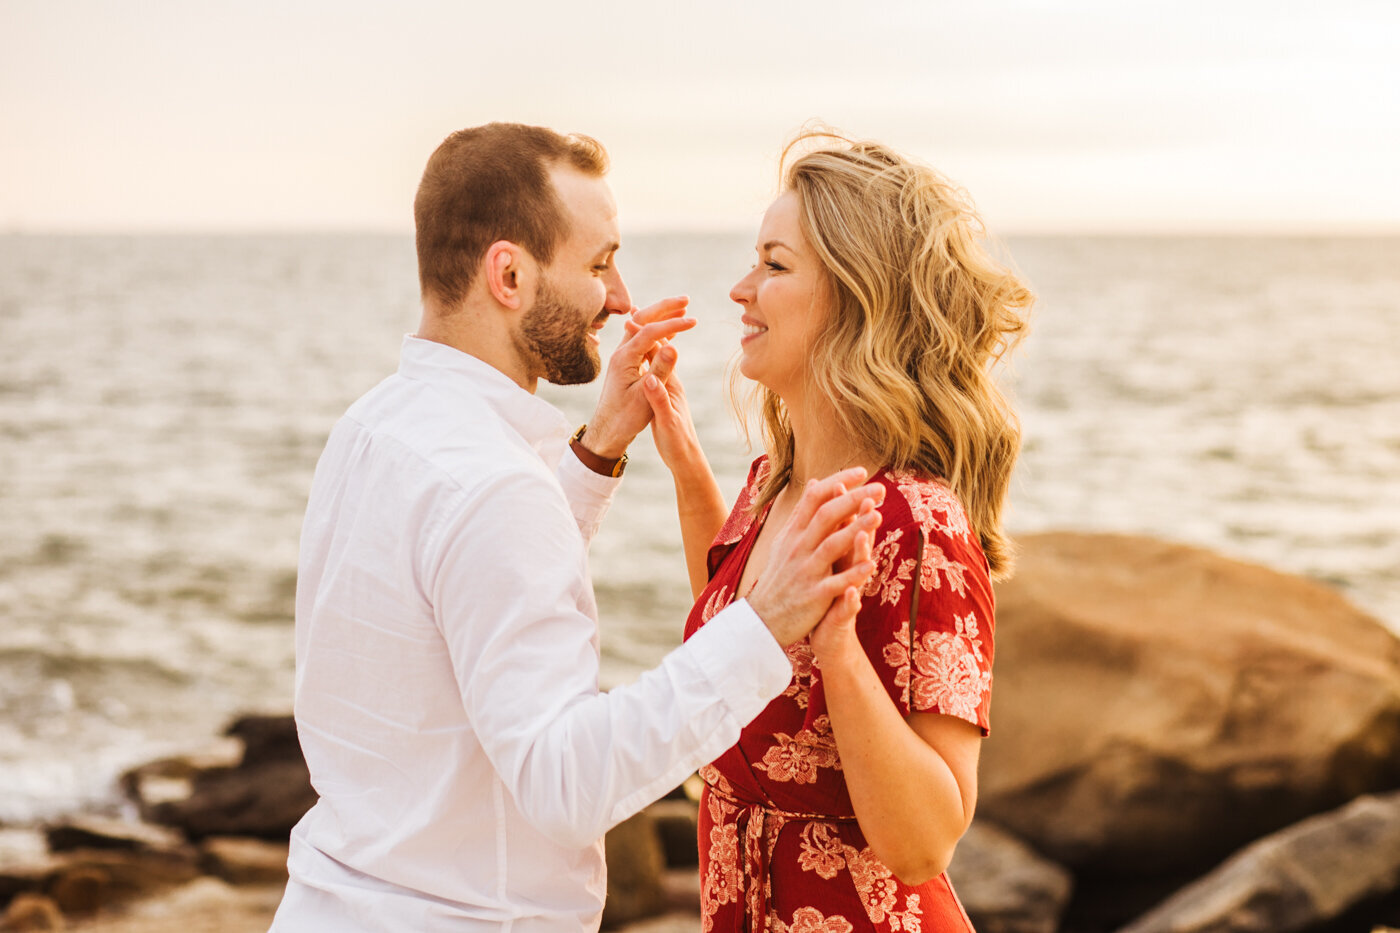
(931, 593)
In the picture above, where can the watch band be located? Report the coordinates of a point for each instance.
(604, 465)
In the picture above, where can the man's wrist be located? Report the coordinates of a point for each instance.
(596, 460)
(598, 437)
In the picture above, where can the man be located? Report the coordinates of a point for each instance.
(447, 657)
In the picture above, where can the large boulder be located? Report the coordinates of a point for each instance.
(262, 796)
(1157, 706)
(1004, 885)
(1302, 878)
(636, 872)
(87, 863)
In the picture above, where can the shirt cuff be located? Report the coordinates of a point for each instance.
(741, 659)
(589, 493)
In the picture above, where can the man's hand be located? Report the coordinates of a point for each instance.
(800, 583)
(623, 410)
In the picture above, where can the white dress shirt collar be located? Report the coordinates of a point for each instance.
(474, 380)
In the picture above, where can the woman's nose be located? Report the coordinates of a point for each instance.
(742, 292)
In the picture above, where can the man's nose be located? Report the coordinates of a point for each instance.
(619, 301)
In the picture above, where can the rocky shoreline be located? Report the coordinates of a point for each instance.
(1181, 744)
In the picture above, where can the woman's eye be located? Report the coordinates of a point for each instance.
(776, 267)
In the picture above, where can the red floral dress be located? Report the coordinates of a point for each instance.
(780, 849)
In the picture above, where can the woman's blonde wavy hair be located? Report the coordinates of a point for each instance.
(920, 314)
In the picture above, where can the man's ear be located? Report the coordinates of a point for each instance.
(506, 269)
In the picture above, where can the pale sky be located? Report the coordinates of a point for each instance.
(1070, 116)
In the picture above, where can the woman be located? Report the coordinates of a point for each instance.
(871, 321)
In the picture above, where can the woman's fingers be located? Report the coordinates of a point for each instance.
(658, 398)
(841, 614)
(663, 361)
(854, 577)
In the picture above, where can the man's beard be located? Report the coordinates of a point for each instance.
(550, 331)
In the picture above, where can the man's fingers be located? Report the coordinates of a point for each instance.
(861, 550)
(663, 330)
(843, 540)
(666, 307)
(842, 508)
(819, 491)
(633, 350)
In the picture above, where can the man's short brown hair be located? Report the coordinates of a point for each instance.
(489, 183)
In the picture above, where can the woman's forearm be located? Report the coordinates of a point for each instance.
(907, 796)
(701, 509)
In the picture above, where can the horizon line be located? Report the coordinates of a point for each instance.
(648, 230)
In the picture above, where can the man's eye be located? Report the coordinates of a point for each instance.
(603, 268)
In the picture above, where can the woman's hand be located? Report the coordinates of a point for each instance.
(672, 428)
(834, 639)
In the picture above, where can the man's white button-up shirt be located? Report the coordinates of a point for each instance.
(447, 669)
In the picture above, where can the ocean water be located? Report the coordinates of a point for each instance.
(163, 401)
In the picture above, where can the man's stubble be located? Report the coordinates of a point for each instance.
(554, 334)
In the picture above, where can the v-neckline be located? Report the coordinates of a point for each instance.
(760, 521)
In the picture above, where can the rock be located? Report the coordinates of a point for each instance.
(31, 912)
(1157, 706)
(173, 778)
(1004, 886)
(205, 905)
(80, 890)
(262, 795)
(25, 862)
(90, 832)
(635, 872)
(242, 861)
(677, 824)
(87, 879)
(266, 739)
(678, 922)
(682, 889)
(264, 801)
(1297, 879)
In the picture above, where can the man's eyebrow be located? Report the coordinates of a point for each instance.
(609, 249)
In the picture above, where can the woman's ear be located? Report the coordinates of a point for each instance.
(505, 267)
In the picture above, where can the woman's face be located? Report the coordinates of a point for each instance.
(784, 302)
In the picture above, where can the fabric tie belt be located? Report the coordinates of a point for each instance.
(758, 826)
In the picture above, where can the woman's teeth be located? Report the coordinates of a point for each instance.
(752, 329)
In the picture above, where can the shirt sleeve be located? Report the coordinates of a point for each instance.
(512, 597)
(930, 591)
(589, 493)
